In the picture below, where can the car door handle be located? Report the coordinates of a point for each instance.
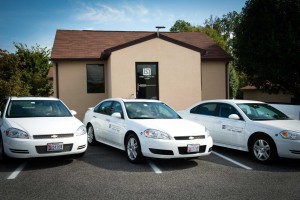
(107, 120)
(94, 117)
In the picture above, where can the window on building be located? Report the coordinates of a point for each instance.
(95, 78)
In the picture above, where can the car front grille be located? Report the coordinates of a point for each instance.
(43, 149)
(190, 137)
(53, 136)
(183, 150)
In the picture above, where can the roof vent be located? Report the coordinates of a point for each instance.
(159, 27)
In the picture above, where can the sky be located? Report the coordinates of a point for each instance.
(34, 22)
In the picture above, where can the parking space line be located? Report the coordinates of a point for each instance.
(233, 161)
(17, 171)
(154, 167)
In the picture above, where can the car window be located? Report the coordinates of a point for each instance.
(205, 109)
(260, 111)
(37, 108)
(225, 110)
(104, 108)
(150, 110)
(117, 108)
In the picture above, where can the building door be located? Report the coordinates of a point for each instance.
(147, 81)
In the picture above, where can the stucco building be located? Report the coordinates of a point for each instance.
(179, 68)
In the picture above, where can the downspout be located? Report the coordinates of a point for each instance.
(57, 82)
(227, 79)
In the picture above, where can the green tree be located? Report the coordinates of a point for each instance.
(267, 45)
(24, 73)
(182, 26)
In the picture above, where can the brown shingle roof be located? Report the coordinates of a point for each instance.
(75, 44)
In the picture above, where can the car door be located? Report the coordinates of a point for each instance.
(116, 129)
(205, 114)
(100, 120)
(230, 131)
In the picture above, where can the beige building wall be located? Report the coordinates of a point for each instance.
(178, 71)
(213, 80)
(73, 86)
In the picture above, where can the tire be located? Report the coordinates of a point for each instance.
(91, 135)
(263, 149)
(3, 157)
(133, 149)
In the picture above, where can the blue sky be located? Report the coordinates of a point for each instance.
(34, 22)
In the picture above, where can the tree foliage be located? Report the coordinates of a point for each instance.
(25, 72)
(267, 45)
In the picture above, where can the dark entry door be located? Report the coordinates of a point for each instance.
(147, 80)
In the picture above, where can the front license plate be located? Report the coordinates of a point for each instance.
(192, 148)
(55, 146)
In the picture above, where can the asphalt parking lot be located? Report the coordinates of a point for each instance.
(104, 173)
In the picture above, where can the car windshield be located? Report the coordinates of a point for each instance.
(37, 108)
(150, 110)
(259, 111)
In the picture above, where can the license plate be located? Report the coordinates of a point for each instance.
(192, 148)
(55, 146)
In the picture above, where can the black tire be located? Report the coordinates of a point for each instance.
(133, 149)
(263, 149)
(91, 135)
(3, 157)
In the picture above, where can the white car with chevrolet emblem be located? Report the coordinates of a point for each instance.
(146, 128)
(250, 126)
(39, 127)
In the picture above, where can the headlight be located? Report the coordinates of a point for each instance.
(292, 135)
(156, 134)
(207, 132)
(81, 130)
(16, 133)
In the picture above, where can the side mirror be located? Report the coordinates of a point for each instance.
(73, 112)
(117, 115)
(234, 116)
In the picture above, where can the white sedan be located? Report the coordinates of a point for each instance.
(39, 127)
(147, 128)
(249, 126)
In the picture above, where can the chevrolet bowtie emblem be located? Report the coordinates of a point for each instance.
(54, 136)
(191, 138)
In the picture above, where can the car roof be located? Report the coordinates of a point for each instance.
(235, 101)
(33, 98)
(132, 100)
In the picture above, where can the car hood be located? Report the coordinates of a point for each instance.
(293, 125)
(46, 125)
(174, 127)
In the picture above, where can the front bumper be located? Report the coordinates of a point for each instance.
(156, 148)
(288, 148)
(29, 148)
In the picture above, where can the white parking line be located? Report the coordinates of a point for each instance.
(154, 167)
(17, 171)
(233, 161)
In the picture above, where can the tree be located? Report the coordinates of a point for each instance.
(25, 72)
(267, 45)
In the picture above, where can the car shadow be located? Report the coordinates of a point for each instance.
(104, 156)
(280, 165)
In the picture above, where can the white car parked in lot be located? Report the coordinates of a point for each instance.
(249, 126)
(146, 128)
(39, 127)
